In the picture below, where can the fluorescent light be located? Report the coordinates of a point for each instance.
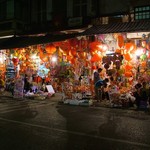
(7, 36)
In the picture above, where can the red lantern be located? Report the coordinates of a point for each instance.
(143, 64)
(148, 46)
(130, 47)
(27, 56)
(95, 58)
(15, 61)
(57, 44)
(120, 41)
(74, 42)
(93, 67)
(47, 79)
(128, 74)
(82, 55)
(127, 57)
(84, 43)
(86, 63)
(73, 52)
(50, 48)
(45, 58)
(128, 67)
(65, 45)
(72, 61)
(67, 51)
(94, 45)
(69, 58)
(118, 51)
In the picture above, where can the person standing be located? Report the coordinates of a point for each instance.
(97, 78)
(137, 94)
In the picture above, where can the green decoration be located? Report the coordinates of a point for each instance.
(143, 57)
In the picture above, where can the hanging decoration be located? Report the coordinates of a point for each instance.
(42, 71)
(130, 47)
(120, 41)
(74, 43)
(96, 58)
(50, 48)
(15, 61)
(83, 43)
(94, 46)
(128, 74)
(127, 57)
(128, 67)
(74, 60)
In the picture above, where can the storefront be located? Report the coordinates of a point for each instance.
(121, 50)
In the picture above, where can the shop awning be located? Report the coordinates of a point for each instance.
(20, 42)
(138, 26)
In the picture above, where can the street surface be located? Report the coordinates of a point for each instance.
(47, 125)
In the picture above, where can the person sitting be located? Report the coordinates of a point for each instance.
(27, 86)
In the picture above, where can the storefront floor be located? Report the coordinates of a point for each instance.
(57, 97)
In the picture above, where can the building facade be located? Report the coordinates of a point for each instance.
(23, 17)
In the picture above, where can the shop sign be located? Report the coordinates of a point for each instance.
(137, 35)
(72, 22)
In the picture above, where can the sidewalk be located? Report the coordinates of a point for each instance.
(5, 95)
(8, 96)
(102, 104)
(57, 97)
